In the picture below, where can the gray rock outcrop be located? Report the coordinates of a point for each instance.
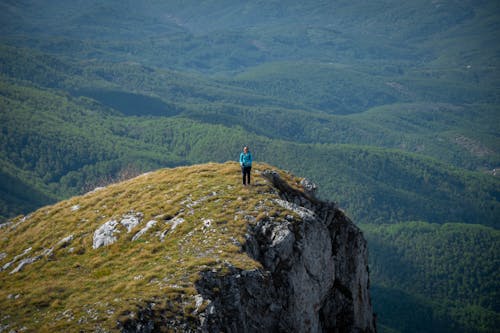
(314, 278)
(104, 235)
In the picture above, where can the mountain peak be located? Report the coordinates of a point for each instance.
(187, 249)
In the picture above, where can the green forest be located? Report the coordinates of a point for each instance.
(391, 107)
(70, 144)
(444, 267)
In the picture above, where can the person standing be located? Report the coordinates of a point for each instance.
(246, 165)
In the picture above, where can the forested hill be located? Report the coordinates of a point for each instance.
(393, 106)
(62, 143)
(412, 258)
(444, 35)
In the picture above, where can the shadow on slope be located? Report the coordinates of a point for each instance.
(398, 311)
(18, 197)
(131, 104)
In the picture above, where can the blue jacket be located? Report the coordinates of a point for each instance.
(246, 159)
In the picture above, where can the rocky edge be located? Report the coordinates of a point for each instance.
(315, 276)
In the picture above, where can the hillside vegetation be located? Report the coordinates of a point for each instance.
(175, 223)
(446, 269)
(90, 146)
(63, 143)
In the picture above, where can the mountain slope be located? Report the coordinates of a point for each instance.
(463, 135)
(187, 248)
(198, 34)
(20, 191)
(91, 144)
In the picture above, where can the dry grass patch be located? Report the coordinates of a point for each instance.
(201, 212)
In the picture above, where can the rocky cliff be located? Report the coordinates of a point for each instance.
(189, 249)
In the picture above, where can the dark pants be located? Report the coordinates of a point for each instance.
(245, 171)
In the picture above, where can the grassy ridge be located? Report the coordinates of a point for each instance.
(73, 285)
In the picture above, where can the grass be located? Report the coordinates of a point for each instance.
(78, 287)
